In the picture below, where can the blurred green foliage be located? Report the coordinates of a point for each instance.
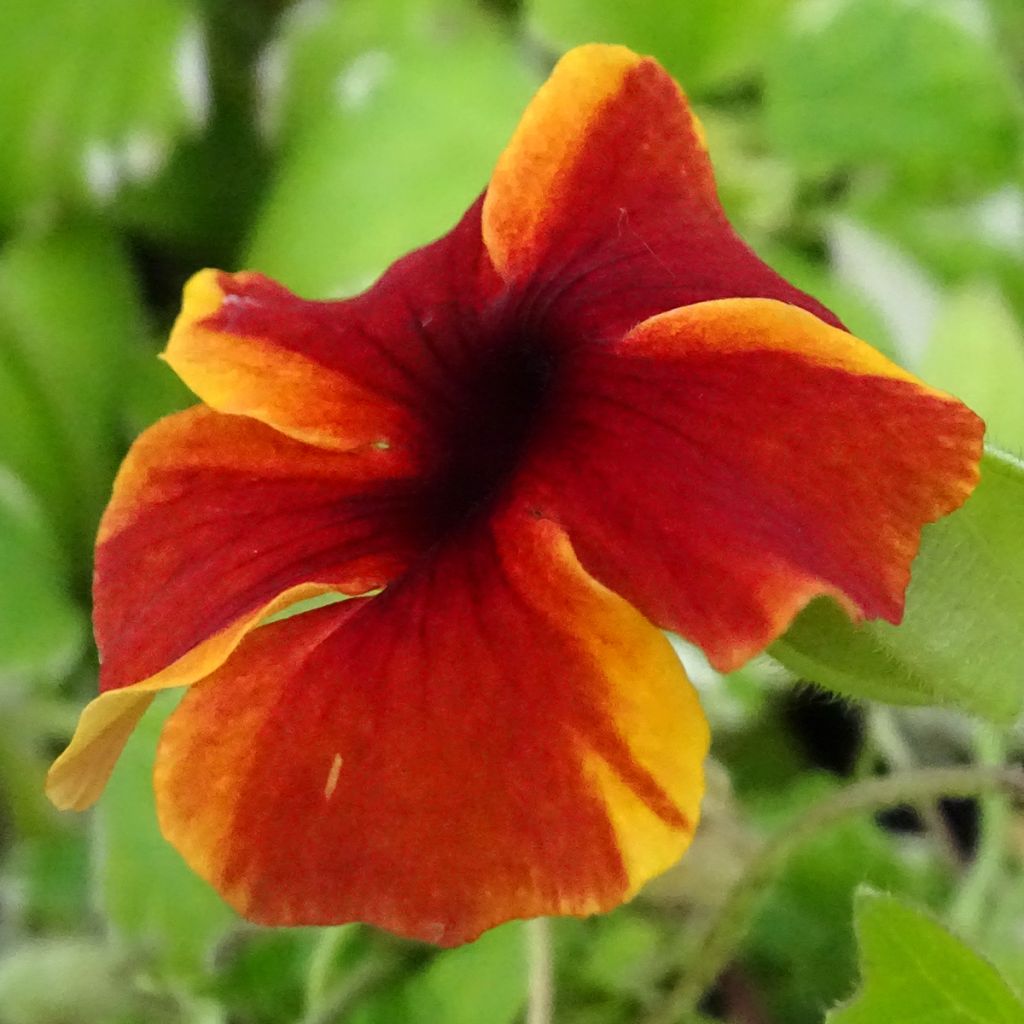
(872, 150)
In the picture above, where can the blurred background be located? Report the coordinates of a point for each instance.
(870, 150)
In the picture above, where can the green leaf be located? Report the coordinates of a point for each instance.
(959, 642)
(92, 95)
(704, 43)
(918, 89)
(410, 121)
(148, 892)
(977, 353)
(484, 981)
(620, 957)
(42, 630)
(915, 970)
(72, 318)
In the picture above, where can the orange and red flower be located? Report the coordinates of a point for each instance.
(587, 414)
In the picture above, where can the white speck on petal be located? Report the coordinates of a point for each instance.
(192, 73)
(361, 79)
(332, 777)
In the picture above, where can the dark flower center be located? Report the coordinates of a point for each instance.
(502, 401)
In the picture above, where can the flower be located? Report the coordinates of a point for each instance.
(587, 414)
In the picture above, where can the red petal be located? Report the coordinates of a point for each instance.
(376, 369)
(495, 736)
(213, 517)
(215, 523)
(604, 202)
(726, 462)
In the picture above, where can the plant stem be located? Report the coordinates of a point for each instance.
(890, 741)
(372, 974)
(726, 930)
(540, 972)
(967, 911)
(322, 964)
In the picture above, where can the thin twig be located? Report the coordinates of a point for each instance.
(889, 739)
(360, 982)
(967, 913)
(540, 972)
(717, 946)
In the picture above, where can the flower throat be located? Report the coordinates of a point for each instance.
(490, 430)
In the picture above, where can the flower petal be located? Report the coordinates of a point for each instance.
(605, 201)
(216, 522)
(370, 370)
(213, 517)
(726, 462)
(382, 760)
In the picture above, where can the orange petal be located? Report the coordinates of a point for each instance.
(496, 736)
(604, 202)
(726, 462)
(227, 347)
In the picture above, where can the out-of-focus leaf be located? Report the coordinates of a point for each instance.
(913, 969)
(259, 976)
(621, 957)
(958, 242)
(757, 189)
(51, 874)
(401, 144)
(898, 288)
(999, 933)
(800, 947)
(57, 980)
(977, 353)
(153, 391)
(92, 95)
(145, 887)
(918, 89)
(959, 642)
(705, 43)
(41, 628)
(484, 981)
(29, 438)
(71, 317)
